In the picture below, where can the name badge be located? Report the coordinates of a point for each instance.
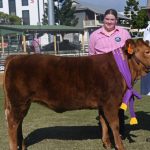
(117, 39)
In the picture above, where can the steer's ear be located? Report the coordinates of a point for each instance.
(141, 42)
(148, 42)
(130, 46)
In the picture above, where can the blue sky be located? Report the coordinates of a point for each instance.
(116, 4)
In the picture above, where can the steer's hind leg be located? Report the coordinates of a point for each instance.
(14, 117)
(105, 134)
(21, 145)
(13, 126)
(111, 115)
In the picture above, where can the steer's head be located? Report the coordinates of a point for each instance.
(139, 51)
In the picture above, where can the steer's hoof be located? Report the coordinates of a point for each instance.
(24, 147)
(107, 145)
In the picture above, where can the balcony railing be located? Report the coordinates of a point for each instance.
(91, 23)
(96, 23)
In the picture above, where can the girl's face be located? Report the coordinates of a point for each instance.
(110, 22)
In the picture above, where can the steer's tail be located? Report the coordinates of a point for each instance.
(5, 84)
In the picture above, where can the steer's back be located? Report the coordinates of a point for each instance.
(62, 83)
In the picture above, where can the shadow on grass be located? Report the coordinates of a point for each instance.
(143, 124)
(63, 133)
(84, 132)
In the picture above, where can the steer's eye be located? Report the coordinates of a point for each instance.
(147, 52)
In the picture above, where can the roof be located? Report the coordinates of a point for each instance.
(85, 5)
(6, 32)
(5, 29)
(145, 7)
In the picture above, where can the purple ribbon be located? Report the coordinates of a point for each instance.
(125, 71)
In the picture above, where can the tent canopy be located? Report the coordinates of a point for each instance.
(7, 32)
(53, 29)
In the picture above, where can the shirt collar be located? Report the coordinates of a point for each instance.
(102, 29)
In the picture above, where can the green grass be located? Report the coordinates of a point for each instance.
(75, 130)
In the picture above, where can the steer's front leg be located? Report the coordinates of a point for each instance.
(113, 120)
(105, 132)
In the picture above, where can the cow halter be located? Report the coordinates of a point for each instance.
(131, 51)
(130, 93)
(140, 62)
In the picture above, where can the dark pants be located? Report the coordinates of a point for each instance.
(145, 84)
(122, 122)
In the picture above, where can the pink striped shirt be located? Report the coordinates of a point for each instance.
(100, 43)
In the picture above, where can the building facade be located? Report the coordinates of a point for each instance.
(31, 11)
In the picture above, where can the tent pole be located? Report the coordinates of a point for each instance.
(24, 43)
(83, 41)
(55, 48)
(2, 44)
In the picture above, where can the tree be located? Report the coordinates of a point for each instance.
(57, 10)
(64, 13)
(6, 19)
(57, 4)
(138, 17)
(141, 19)
(14, 20)
(131, 11)
(45, 15)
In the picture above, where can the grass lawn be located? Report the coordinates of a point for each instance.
(75, 130)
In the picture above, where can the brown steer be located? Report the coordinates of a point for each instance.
(69, 83)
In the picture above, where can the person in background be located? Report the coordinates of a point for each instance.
(106, 39)
(36, 44)
(145, 81)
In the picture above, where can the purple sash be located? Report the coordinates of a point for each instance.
(125, 71)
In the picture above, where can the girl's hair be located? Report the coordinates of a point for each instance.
(111, 11)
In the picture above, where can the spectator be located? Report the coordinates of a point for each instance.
(36, 45)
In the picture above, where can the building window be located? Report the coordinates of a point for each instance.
(24, 2)
(12, 7)
(26, 17)
(1, 3)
